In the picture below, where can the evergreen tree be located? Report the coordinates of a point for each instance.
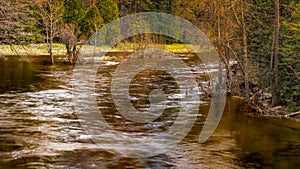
(91, 21)
(108, 10)
(74, 11)
(289, 54)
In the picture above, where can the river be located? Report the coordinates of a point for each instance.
(39, 127)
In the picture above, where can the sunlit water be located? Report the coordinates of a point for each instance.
(39, 127)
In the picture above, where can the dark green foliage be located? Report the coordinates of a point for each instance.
(135, 6)
(260, 28)
(127, 7)
(290, 54)
(259, 21)
(108, 10)
(74, 11)
(91, 21)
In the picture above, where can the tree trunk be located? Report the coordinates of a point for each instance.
(245, 53)
(275, 96)
(51, 42)
(50, 52)
(70, 53)
(75, 55)
(68, 35)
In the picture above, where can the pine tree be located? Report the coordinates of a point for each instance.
(91, 21)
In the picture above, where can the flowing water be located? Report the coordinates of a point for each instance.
(39, 127)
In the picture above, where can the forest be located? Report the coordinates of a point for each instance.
(263, 37)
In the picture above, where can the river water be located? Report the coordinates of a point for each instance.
(39, 127)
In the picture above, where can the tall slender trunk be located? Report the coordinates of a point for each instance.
(219, 20)
(50, 52)
(51, 42)
(51, 32)
(223, 57)
(275, 93)
(245, 52)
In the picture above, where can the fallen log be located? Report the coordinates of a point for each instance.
(292, 114)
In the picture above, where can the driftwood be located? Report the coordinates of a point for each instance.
(205, 90)
(293, 114)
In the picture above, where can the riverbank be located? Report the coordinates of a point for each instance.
(31, 50)
(60, 49)
(262, 107)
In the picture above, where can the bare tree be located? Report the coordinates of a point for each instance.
(70, 39)
(15, 21)
(276, 53)
(241, 23)
(50, 12)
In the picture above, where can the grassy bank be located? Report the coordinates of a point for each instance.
(59, 49)
(32, 49)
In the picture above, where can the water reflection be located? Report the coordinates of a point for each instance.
(39, 128)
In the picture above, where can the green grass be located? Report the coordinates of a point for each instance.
(175, 48)
(59, 49)
(32, 49)
(179, 48)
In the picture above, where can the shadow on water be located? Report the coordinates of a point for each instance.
(39, 128)
(21, 75)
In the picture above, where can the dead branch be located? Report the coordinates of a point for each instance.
(293, 114)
